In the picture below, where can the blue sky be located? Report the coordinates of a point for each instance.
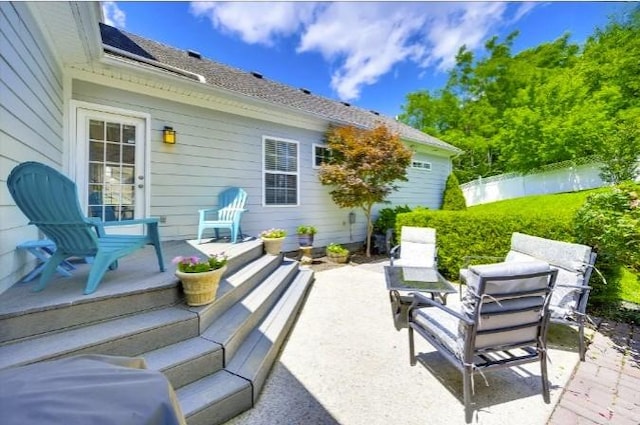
(371, 54)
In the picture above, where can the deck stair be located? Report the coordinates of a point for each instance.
(217, 357)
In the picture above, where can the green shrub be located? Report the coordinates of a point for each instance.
(610, 223)
(387, 218)
(453, 199)
(464, 233)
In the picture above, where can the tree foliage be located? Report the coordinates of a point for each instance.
(364, 166)
(618, 152)
(517, 112)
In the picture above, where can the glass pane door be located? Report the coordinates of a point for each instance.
(110, 167)
(112, 176)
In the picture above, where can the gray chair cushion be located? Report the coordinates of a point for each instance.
(498, 313)
(570, 259)
(442, 325)
(570, 256)
(417, 247)
(511, 268)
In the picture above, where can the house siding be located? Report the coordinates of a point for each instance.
(31, 124)
(215, 150)
(425, 188)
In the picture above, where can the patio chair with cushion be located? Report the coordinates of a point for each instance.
(231, 204)
(417, 248)
(574, 262)
(501, 323)
(50, 201)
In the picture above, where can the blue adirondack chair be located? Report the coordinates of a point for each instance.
(227, 216)
(50, 201)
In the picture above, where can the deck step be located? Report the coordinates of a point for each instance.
(215, 399)
(128, 336)
(238, 321)
(67, 315)
(258, 352)
(220, 396)
(186, 361)
(235, 287)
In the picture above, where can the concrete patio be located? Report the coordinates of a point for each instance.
(345, 363)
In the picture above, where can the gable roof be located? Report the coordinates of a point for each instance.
(191, 65)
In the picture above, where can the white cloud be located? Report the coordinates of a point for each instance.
(365, 40)
(523, 9)
(113, 15)
(256, 22)
(463, 24)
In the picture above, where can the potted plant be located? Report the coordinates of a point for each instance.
(200, 277)
(305, 234)
(337, 253)
(272, 240)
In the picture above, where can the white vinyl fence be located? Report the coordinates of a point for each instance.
(561, 177)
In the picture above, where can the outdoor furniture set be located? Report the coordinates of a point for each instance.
(505, 309)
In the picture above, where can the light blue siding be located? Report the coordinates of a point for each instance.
(31, 124)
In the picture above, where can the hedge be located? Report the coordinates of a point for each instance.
(467, 233)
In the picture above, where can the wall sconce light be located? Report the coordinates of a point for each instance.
(169, 135)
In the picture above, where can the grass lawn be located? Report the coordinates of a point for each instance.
(630, 286)
(570, 202)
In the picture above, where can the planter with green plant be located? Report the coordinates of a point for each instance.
(200, 277)
(305, 234)
(337, 253)
(272, 240)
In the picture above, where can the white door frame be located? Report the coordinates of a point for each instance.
(76, 158)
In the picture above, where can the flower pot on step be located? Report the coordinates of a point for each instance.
(200, 288)
(273, 246)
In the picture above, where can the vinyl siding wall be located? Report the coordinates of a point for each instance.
(215, 150)
(31, 124)
(425, 188)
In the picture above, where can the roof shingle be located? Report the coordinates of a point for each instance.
(255, 85)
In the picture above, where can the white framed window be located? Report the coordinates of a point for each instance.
(321, 154)
(421, 165)
(280, 172)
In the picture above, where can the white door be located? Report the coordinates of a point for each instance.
(110, 172)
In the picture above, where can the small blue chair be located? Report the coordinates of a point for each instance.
(227, 216)
(50, 201)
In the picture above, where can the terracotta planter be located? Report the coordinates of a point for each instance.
(201, 288)
(273, 246)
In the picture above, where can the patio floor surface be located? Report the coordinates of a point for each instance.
(346, 364)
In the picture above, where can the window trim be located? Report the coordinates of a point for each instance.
(264, 172)
(313, 154)
(422, 168)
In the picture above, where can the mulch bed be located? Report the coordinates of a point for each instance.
(322, 263)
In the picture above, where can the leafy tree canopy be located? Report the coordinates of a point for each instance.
(364, 167)
(550, 103)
